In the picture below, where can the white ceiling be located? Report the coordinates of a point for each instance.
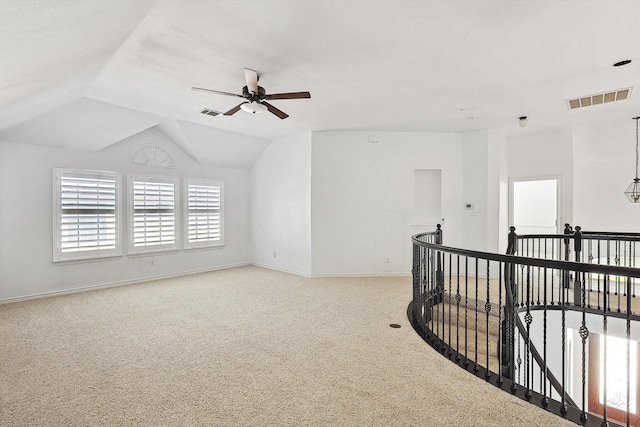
(87, 74)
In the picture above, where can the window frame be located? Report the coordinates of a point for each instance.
(62, 256)
(218, 243)
(150, 249)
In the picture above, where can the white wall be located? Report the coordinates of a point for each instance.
(546, 155)
(475, 158)
(604, 165)
(281, 205)
(326, 203)
(498, 192)
(362, 197)
(26, 187)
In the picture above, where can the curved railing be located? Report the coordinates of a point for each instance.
(533, 324)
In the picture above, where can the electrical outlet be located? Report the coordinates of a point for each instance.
(275, 254)
(386, 259)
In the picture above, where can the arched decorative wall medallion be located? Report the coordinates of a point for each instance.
(153, 156)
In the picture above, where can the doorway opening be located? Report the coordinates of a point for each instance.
(534, 206)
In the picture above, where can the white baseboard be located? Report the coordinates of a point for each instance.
(386, 274)
(186, 273)
(284, 270)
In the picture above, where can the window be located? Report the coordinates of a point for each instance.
(153, 214)
(86, 215)
(203, 207)
(617, 377)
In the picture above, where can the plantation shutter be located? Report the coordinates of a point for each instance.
(87, 215)
(204, 214)
(154, 216)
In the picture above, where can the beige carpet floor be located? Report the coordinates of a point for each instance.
(238, 347)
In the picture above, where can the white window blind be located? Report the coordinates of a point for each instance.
(153, 214)
(204, 213)
(86, 215)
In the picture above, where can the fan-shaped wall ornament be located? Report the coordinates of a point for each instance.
(153, 156)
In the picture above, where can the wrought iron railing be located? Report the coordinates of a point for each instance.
(531, 322)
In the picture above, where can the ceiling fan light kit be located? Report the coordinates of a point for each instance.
(256, 97)
(253, 107)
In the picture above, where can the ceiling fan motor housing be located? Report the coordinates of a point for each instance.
(254, 97)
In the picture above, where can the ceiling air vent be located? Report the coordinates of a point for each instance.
(209, 112)
(599, 98)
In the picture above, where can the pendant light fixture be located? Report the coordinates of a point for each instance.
(633, 190)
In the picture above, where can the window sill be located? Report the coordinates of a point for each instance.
(82, 260)
(204, 247)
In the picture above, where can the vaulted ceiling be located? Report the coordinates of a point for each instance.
(87, 74)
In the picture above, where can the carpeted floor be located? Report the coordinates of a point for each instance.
(238, 347)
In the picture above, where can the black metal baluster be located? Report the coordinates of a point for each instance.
(553, 247)
(519, 359)
(607, 282)
(521, 285)
(475, 367)
(487, 310)
(458, 298)
(443, 297)
(617, 259)
(466, 312)
(435, 294)
(450, 278)
(598, 276)
(417, 298)
(545, 400)
(500, 325)
(589, 276)
(584, 334)
(538, 300)
(563, 405)
(603, 342)
(632, 257)
(528, 319)
(428, 262)
(628, 333)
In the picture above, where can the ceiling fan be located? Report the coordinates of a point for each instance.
(256, 97)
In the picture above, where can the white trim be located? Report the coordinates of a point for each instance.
(392, 274)
(283, 270)
(58, 256)
(188, 273)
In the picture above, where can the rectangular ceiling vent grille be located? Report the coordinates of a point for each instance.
(209, 112)
(599, 98)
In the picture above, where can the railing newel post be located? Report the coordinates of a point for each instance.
(577, 284)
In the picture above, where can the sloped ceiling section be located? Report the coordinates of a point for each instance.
(221, 148)
(52, 50)
(83, 124)
(390, 65)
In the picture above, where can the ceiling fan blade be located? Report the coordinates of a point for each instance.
(290, 95)
(251, 76)
(201, 89)
(234, 110)
(275, 111)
